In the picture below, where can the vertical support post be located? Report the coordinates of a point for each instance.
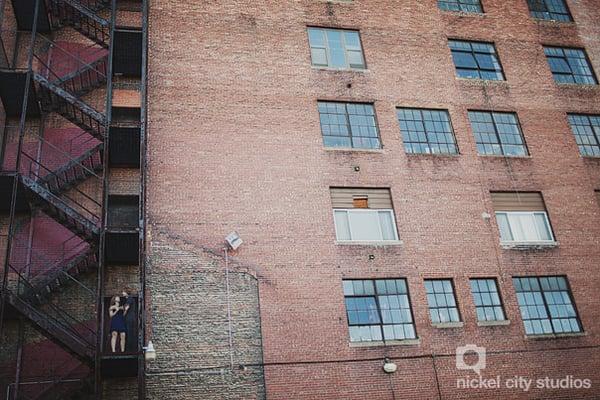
(15, 189)
(142, 208)
(101, 246)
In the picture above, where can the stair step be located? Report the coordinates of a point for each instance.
(83, 19)
(56, 99)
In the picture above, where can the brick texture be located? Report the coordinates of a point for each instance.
(235, 144)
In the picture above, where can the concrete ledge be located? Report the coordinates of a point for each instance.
(504, 322)
(555, 336)
(449, 325)
(407, 342)
(382, 243)
(352, 150)
(524, 246)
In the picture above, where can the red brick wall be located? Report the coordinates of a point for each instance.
(235, 143)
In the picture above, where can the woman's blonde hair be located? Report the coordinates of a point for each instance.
(113, 300)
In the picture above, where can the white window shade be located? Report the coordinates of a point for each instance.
(524, 227)
(364, 225)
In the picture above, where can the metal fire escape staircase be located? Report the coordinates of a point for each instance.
(49, 189)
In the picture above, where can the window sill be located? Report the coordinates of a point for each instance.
(448, 325)
(433, 155)
(382, 243)
(528, 245)
(503, 322)
(407, 342)
(584, 86)
(502, 156)
(361, 70)
(483, 81)
(551, 336)
(352, 150)
(463, 13)
(556, 22)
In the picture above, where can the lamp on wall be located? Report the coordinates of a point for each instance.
(389, 367)
(234, 240)
(149, 351)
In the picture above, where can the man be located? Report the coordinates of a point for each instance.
(129, 311)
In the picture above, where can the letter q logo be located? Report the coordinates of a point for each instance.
(461, 351)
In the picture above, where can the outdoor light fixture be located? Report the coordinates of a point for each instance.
(389, 367)
(234, 240)
(149, 351)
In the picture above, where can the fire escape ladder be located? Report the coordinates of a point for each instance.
(54, 98)
(61, 211)
(82, 16)
(45, 285)
(86, 78)
(62, 333)
(75, 171)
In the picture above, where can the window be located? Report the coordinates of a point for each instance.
(427, 131)
(363, 215)
(472, 6)
(586, 129)
(487, 300)
(521, 217)
(442, 304)
(350, 125)
(476, 60)
(335, 48)
(378, 310)
(570, 65)
(549, 9)
(546, 305)
(497, 133)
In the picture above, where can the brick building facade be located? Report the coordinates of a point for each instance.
(407, 178)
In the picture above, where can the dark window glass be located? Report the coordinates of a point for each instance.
(426, 131)
(570, 65)
(473, 6)
(497, 133)
(378, 310)
(586, 129)
(549, 9)
(442, 303)
(476, 60)
(487, 300)
(349, 125)
(335, 48)
(546, 305)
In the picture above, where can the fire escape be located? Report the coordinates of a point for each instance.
(46, 179)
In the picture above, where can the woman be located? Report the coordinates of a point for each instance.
(117, 324)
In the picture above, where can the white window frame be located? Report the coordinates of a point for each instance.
(347, 49)
(366, 210)
(525, 241)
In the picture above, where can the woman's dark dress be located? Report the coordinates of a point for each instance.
(117, 322)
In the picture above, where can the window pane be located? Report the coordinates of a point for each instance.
(387, 225)
(348, 125)
(476, 60)
(570, 65)
(342, 228)
(586, 129)
(497, 133)
(364, 225)
(441, 300)
(336, 48)
(363, 311)
(426, 131)
(535, 295)
(505, 233)
(487, 300)
(542, 226)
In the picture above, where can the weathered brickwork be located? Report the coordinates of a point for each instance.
(235, 144)
(188, 324)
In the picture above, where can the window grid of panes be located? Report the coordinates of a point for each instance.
(488, 303)
(586, 129)
(555, 10)
(378, 310)
(426, 131)
(441, 300)
(472, 6)
(335, 48)
(570, 65)
(497, 133)
(350, 125)
(546, 305)
(476, 60)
